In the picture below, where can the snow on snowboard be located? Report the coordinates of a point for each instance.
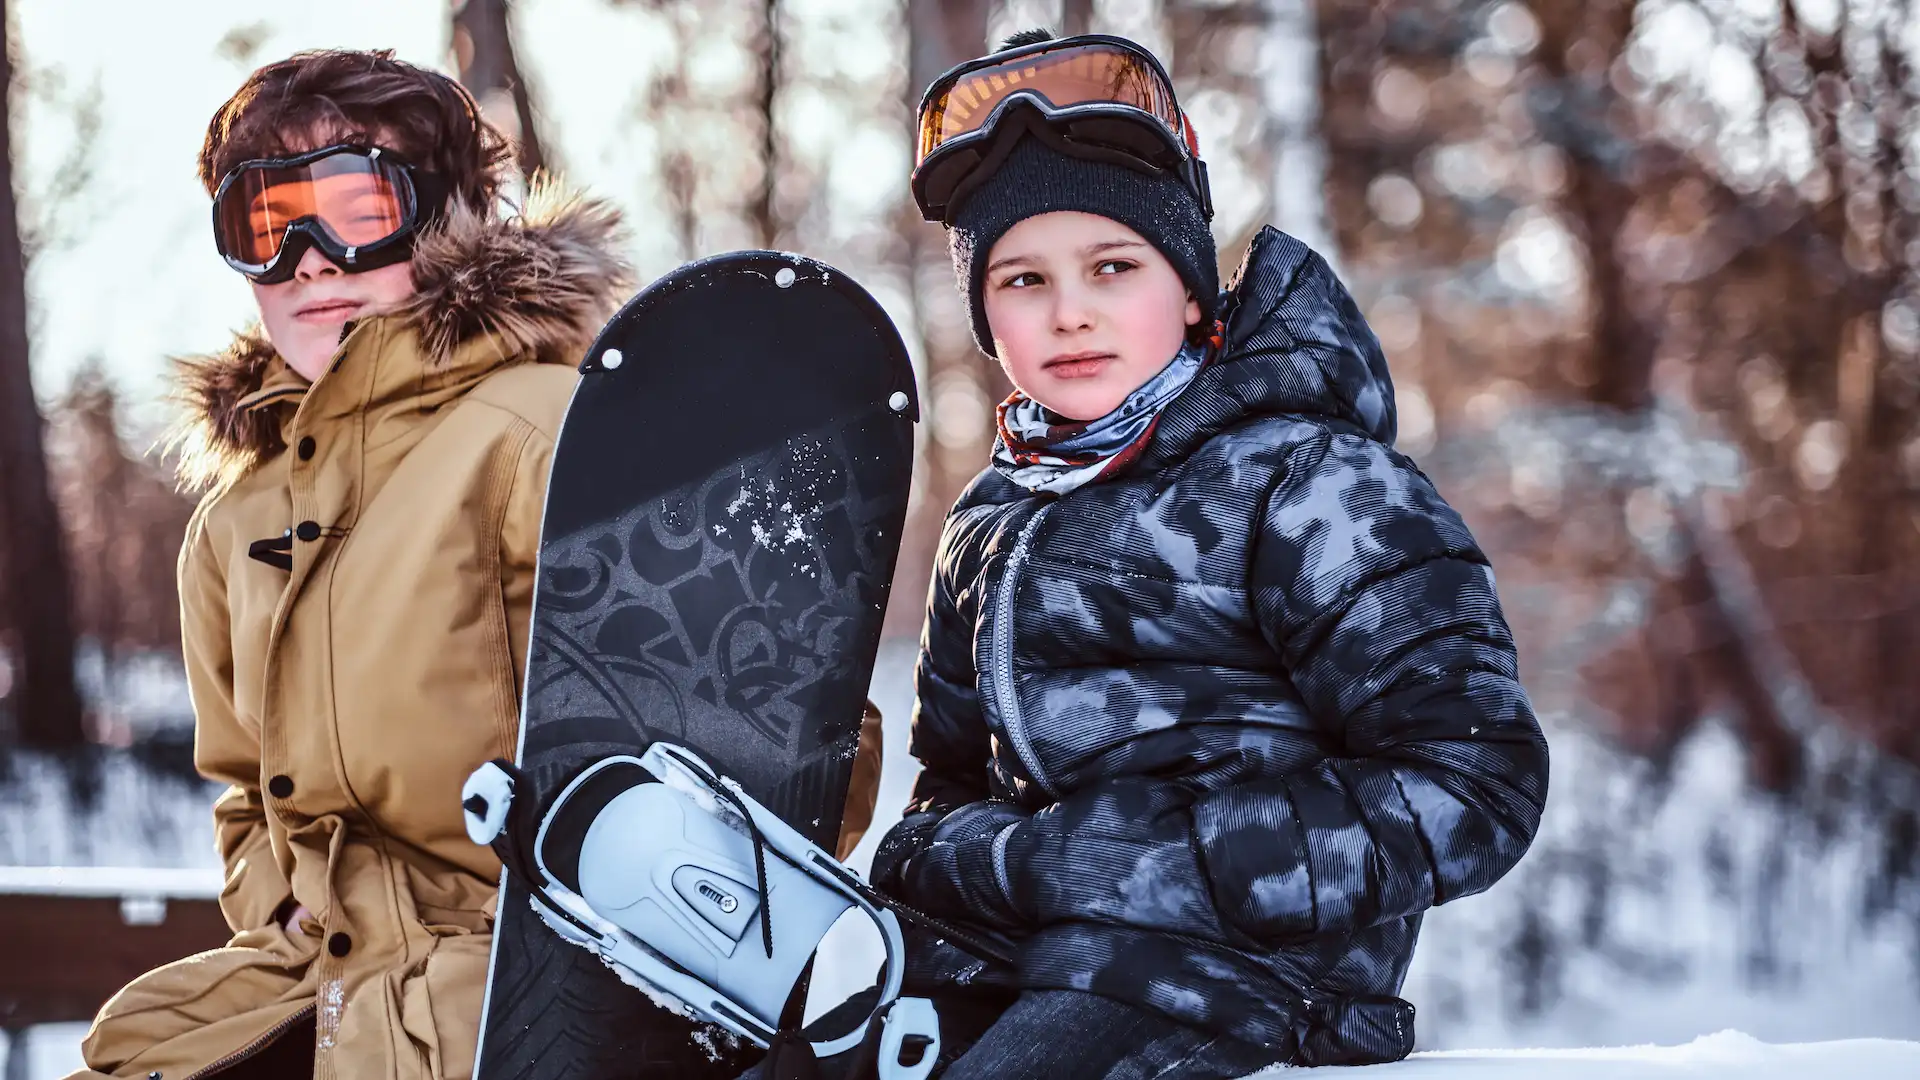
(722, 520)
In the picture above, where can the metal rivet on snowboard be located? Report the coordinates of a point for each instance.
(898, 402)
(611, 359)
(784, 276)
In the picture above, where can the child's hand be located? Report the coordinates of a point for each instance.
(1121, 852)
(908, 837)
(960, 874)
(984, 818)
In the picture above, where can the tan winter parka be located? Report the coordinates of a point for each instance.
(348, 674)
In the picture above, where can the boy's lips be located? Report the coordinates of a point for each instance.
(1079, 365)
(327, 310)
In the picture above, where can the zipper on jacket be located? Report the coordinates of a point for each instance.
(1001, 654)
(257, 1045)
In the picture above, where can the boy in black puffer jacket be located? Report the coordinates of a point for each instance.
(1215, 696)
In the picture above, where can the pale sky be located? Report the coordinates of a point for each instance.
(136, 279)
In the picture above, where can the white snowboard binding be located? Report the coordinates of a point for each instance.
(686, 887)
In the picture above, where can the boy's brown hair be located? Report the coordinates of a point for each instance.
(365, 98)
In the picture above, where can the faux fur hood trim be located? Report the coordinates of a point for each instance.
(542, 283)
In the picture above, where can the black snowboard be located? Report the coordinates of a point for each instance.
(721, 526)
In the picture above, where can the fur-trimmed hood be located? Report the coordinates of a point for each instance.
(540, 284)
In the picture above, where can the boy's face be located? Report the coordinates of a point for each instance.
(1083, 311)
(303, 316)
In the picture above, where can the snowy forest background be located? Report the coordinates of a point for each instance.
(1647, 273)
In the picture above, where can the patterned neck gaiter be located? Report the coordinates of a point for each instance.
(1045, 453)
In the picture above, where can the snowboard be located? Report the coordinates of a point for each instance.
(722, 519)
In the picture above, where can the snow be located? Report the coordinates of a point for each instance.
(119, 811)
(332, 997)
(1724, 1054)
(110, 881)
(1665, 909)
(54, 1051)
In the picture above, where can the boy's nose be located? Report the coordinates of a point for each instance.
(313, 265)
(1071, 311)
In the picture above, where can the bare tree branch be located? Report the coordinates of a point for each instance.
(32, 556)
(483, 50)
(765, 215)
(1076, 17)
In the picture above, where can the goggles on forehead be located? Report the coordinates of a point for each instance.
(359, 205)
(1091, 96)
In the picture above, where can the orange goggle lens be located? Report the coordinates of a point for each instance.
(1075, 74)
(356, 200)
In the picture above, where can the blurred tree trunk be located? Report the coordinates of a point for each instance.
(124, 524)
(943, 33)
(1872, 235)
(1290, 88)
(940, 34)
(483, 50)
(97, 509)
(1599, 194)
(765, 214)
(46, 703)
(1264, 54)
(1606, 168)
(1076, 17)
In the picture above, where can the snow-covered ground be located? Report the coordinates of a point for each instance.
(123, 813)
(1650, 911)
(1726, 1054)
(53, 1051)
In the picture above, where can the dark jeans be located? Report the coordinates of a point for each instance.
(289, 1055)
(1060, 1035)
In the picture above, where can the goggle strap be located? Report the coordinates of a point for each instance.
(430, 197)
(1007, 133)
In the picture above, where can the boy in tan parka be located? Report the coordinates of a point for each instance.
(356, 586)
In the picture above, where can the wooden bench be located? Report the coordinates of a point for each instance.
(70, 937)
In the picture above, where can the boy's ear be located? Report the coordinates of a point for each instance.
(1193, 311)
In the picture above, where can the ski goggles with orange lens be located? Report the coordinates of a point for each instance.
(359, 205)
(1092, 96)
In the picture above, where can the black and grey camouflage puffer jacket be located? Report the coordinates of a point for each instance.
(1210, 737)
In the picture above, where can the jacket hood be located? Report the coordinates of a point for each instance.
(1296, 343)
(541, 284)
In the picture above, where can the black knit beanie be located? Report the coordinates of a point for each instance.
(1037, 179)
